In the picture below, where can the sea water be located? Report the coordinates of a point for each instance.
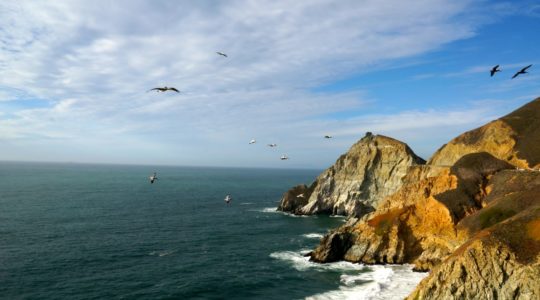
(81, 231)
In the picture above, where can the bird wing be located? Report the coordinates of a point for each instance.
(154, 89)
(515, 75)
(494, 70)
(173, 89)
(525, 69)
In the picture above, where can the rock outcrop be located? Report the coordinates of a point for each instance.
(500, 254)
(471, 216)
(514, 138)
(294, 199)
(372, 169)
(417, 224)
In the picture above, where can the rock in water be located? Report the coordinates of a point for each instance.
(294, 199)
(336, 244)
(372, 169)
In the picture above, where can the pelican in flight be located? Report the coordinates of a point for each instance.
(222, 54)
(494, 70)
(253, 141)
(272, 145)
(164, 89)
(284, 157)
(522, 71)
(327, 136)
(228, 199)
(153, 178)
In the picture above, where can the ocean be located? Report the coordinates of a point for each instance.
(82, 231)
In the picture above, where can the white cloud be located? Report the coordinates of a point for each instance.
(91, 63)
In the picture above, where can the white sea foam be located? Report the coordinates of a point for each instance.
(313, 235)
(274, 210)
(266, 210)
(246, 203)
(302, 263)
(383, 282)
(340, 217)
(161, 253)
(371, 282)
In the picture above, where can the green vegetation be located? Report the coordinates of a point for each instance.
(494, 215)
(383, 227)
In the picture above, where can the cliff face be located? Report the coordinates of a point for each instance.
(500, 254)
(355, 185)
(514, 138)
(471, 216)
(417, 224)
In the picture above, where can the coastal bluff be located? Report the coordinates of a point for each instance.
(372, 169)
(470, 215)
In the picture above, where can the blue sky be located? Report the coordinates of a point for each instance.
(74, 77)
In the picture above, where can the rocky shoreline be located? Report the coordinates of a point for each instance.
(470, 215)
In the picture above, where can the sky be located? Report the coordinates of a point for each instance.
(75, 75)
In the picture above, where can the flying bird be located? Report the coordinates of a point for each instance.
(494, 70)
(222, 54)
(272, 145)
(284, 157)
(522, 71)
(153, 178)
(228, 199)
(327, 136)
(253, 141)
(300, 196)
(164, 89)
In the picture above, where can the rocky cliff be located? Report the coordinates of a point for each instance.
(514, 138)
(372, 169)
(417, 223)
(471, 216)
(499, 255)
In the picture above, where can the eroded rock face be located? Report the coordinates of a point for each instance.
(501, 261)
(417, 224)
(514, 138)
(294, 199)
(336, 244)
(471, 216)
(355, 185)
(500, 253)
(482, 271)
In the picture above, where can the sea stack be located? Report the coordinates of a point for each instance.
(372, 169)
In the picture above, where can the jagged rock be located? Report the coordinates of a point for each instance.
(417, 224)
(471, 216)
(294, 199)
(335, 246)
(500, 256)
(355, 185)
(514, 138)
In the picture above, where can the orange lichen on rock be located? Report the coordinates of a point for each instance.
(533, 230)
(383, 222)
